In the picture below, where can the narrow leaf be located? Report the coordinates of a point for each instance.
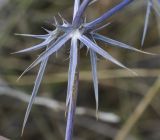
(55, 22)
(52, 49)
(117, 43)
(34, 36)
(92, 2)
(72, 69)
(149, 5)
(156, 6)
(35, 90)
(93, 58)
(34, 48)
(65, 22)
(48, 31)
(101, 27)
(101, 52)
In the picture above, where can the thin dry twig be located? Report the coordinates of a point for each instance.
(86, 76)
(56, 105)
(135, 116)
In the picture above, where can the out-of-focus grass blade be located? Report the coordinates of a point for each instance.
(156, 6)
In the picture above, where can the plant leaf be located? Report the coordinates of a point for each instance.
(101, 52)
(149, 5)
(35, 90)
(34, 48)
(48, 31)
(34, 36)
(55, 47)
(101, 27)
(93, 58)
(92, 2)
(156, 6)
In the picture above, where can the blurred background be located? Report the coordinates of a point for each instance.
(129, 105)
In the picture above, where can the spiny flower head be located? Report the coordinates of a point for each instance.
(80, 34)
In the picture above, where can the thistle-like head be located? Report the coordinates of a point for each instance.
(77, 32)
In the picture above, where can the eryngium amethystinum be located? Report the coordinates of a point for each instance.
(80, 34)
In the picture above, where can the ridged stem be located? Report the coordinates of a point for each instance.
(82, 8)
(72, 105)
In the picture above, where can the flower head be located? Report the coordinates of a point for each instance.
(77, 32)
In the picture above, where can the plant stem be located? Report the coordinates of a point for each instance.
(83, 6)
(108, 14)
(72, 104)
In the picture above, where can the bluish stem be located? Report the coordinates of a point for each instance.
(83, 6)
(72, 105)
(108, 14)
